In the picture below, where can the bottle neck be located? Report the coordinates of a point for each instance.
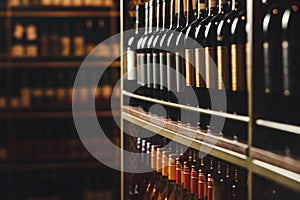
(146, 17)
(222, 6)
(172, 14)
(201, 8)
(151, 16)
(188, 11)
(139, 22)
(180, 13)
(165, 10)
(212, 7)
(158, 15)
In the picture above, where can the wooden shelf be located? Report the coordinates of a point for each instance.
(279, 126)
(282, 176)
(190, 108)
(53, 165)
(282, 169)
(281, 161)
(67, 114)
(61, 14)
(54, 64)
(229, 150)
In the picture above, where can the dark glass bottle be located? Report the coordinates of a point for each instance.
(218, 79)
(238, 63)
(184, 64)
(290, 45)
(238, 73)
(155, 174)
(224, 41)
(210, 188)
(272, 58)
(219, 183)
(190, 58)
(167, 76)
(202, 195)
(146, 45)
(141, 60)
(194, 184)
(186, 181)
(131, 83)
(159, 178)
(176, 94)
(177, 192)
(202, 83)
(169, 170)
(152, 44)
(135, 178)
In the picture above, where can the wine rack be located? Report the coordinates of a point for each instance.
(277, 165)
(32, 141)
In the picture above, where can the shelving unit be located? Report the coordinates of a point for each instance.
(50, 115)
(54, 64)
(283, 170)
(60, 14)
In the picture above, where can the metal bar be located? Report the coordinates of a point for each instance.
(277, 174)
(190, 108)
(279, 126)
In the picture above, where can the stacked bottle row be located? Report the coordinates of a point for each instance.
(44, 87)
(181, 174)
(195, 56)
(54, 140)
(276, 73)
(62, 184)
(280, 58)
(71, 39)
(62, 3)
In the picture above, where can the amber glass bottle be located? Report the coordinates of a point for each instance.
(177, 192)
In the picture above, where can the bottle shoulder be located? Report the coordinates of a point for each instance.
(239, 24)
(290, 18)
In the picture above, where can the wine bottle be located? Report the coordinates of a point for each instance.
(78, 41)
(181, 63)
(154, 178)
(172, 59)
(17, 49)
(210, 188)
(66, 41)
(158, 45)
(131, 83)
(194, 184)
(141, 60)
(201, 185)
(186, 181)
(167, 78)
(238, 64)
(224, 41)
(202, 85)
(177, 192)
(168, 172)
(135, 178)
(219, 81)
(32, 41)
(152, 43)
(159, 178)
(190, 56)
(272, 58)
(290, 45)
(148, 51)
(219, 182)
